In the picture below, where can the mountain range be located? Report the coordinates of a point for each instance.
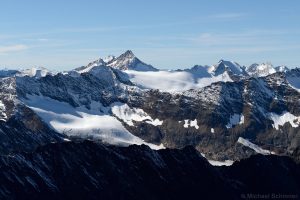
(225, 114)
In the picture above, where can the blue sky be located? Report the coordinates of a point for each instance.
(170, 34)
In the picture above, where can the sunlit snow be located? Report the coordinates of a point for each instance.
(173, 81)
(280, 120)
(219, 163)
(255, 147)
(83, 122)
(128, 115)
(191, 123)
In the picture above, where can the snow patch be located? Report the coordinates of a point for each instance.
(280, 120)
(221, 163)
(194, 124)
(128, 115)
(255, 147)
(235, 119)
(191, 123)
(155, 122)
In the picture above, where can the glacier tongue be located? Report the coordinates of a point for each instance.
(87, 123)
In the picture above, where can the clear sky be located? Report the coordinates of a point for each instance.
(63, 34)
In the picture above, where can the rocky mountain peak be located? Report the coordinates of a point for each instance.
(128, 61)
(228, 66)
(128, 53)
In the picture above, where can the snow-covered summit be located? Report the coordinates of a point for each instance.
(260, 70)
(227, 66)
(128, 61)
(90, 66)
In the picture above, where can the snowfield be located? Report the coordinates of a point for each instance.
(173, 81)
(280, 120)
(83, 122)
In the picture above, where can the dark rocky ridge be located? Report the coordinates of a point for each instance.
(86, 170)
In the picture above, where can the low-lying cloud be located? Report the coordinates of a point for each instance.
(12, 48)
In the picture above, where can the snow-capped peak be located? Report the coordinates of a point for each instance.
(90, 66)
(260, 70)
(128, 61)
(128, 54)
(228, 66)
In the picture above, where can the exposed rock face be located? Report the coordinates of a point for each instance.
(251, 99)
(21, 128)
(128, 61)
(86, 170)
(223, 113)
(264, 110)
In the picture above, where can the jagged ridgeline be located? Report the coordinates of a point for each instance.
(226, 111)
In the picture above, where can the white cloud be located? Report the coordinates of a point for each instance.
(227, 16)
(12, 48)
